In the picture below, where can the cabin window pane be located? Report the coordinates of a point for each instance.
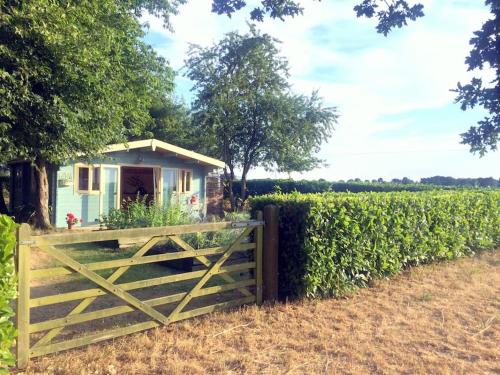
(96, 179)
(83, 178)
(188, 181)
(183, 181)
(170, 183)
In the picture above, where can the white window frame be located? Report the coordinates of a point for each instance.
(76, 179)
(182, 183)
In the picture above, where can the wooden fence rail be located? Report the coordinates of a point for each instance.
(213, 260)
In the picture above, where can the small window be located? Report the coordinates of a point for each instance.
(89, 179)
(185, 182)
(188, 181)
(96, 179)
(83, 179)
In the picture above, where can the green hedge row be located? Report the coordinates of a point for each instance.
(333, 242)
(8, 290)
(268, 186)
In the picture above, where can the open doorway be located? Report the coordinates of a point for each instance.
(138, 182)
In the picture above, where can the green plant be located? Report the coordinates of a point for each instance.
(138, 213)
(331, 243)
(8, 291)
(268, 186)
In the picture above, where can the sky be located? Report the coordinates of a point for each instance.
(397, 114)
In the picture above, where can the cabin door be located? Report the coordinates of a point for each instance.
(170, 181)
(110, 197)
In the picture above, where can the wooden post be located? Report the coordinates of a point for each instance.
(259, 236)
(23, 249)
(270, 253)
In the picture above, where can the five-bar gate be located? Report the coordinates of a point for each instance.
(216, 274)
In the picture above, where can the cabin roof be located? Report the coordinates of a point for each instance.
(166, 148)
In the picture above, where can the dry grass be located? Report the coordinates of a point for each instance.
(437, 319)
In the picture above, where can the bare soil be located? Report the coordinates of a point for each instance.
(436, 319)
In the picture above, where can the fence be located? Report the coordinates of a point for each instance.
(255, 238)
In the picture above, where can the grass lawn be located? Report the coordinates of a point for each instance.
(436, 319)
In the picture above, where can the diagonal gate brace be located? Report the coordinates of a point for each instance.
(88, 301)
(213, 269)
(106, 285)
(207, 263)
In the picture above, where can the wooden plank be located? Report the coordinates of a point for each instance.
(211, 271)
(23, 299)
(113, 333)
(113, 311)
(259, 233)
(96, 266)
(72, 296)
(92, 339)
(88, 301)
(109, 235)
(113, 289)
(206, 262)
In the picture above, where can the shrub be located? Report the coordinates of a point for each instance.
(137, 214)
(8, 290)
(267, 186)
(333, 242)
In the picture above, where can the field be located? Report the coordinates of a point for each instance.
(440, 319)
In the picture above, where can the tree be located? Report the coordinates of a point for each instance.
(390, 13)
(171, 122)
(74, 77)
(485, 53)
(246, 112)
(396, 13)
(4, 178)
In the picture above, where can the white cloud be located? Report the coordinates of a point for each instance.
(368, 77)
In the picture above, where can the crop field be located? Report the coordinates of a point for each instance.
(441, 319)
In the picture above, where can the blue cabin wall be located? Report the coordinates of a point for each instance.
(84, 206)
(87, 206)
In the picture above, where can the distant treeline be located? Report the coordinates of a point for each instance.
(266, 186)
(463, 182)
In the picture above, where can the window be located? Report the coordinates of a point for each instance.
(188, 181)
(89, 179)
(185, 182)
(96, 179)
(83, 179)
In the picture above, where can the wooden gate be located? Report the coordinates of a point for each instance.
(36, 339)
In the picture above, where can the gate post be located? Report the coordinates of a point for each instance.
(23, 249)
(270, 253)
(259, 236)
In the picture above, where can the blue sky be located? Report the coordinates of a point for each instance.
(397, 113)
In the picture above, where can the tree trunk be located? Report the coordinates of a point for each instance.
(230, 179)
(42, 219)
(243, 188)
(3, 206)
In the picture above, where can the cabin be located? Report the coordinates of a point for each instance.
(151, 169)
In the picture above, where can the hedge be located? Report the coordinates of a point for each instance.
(332, 243)
(268, 186)
(8, 290)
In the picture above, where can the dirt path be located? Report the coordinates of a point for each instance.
(437, 319)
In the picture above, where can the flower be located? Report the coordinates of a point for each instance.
(71, 219)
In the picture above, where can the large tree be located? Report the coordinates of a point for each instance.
(171, 122)
(246, 111)
(74, 77)
(485, 53)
